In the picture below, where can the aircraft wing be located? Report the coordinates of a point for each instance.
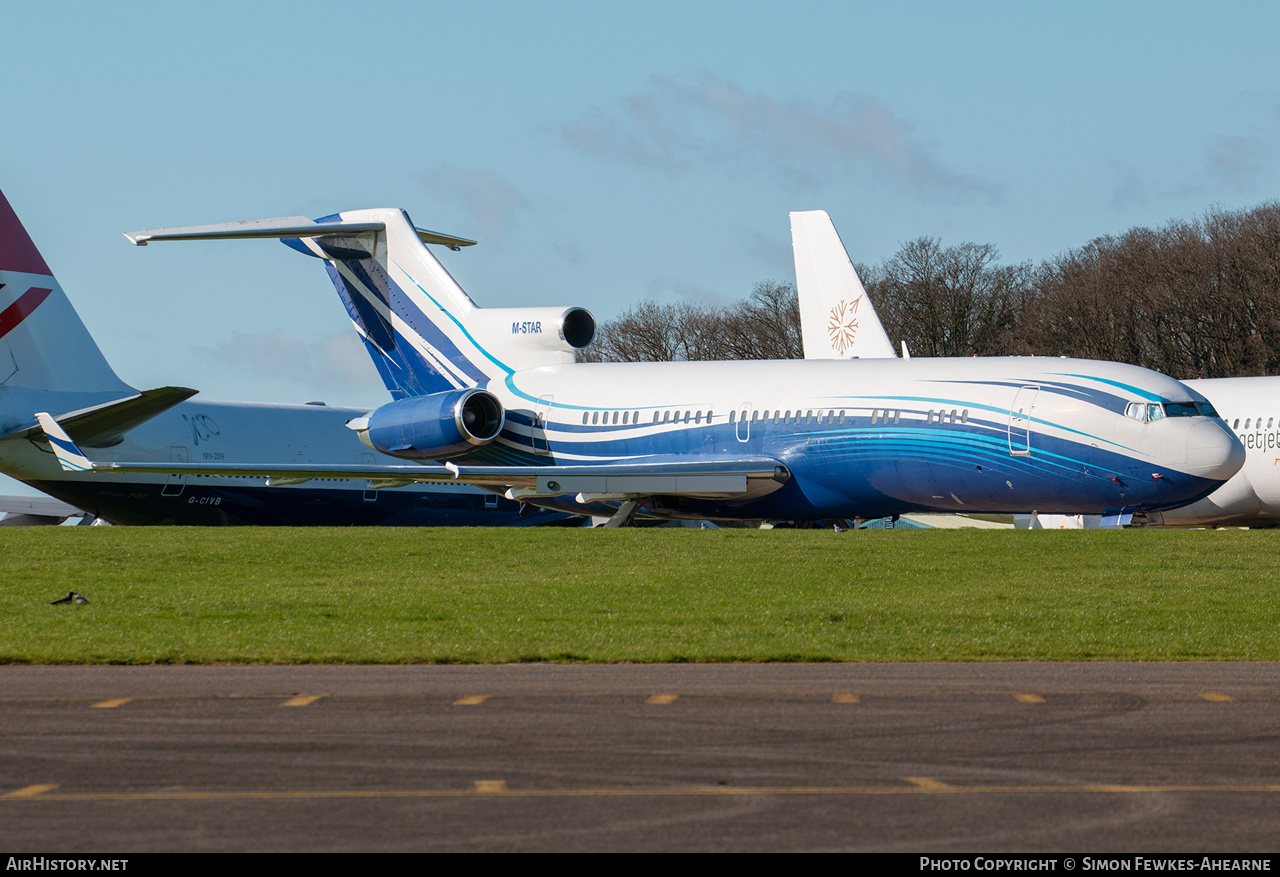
(740, 478)
(103, 425)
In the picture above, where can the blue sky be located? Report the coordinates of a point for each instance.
(602, 154)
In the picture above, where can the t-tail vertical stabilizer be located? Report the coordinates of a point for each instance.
(405, 306)
(424, 333)
(43, 343)
(837, 319)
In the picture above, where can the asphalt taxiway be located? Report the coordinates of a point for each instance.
(913, 758)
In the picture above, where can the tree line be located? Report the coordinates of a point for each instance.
(1197, 298)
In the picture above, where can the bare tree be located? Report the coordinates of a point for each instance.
(949, 301)
(1190, 299)
(764, 326)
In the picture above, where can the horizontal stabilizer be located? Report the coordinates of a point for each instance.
(104, 425)
(282, 227)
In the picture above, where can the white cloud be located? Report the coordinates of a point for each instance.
(700, 121)
(664, 287)
(1128, 189)
(335, 363)
(1238, 162)
(493, 203)
(773, 252)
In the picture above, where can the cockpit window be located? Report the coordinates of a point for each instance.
(1149, 412)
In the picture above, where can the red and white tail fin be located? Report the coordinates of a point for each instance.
(43, 343)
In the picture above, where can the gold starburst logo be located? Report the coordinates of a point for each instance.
(842, 327)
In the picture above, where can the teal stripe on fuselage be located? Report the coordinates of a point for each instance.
(1152, 397)
(502, 365)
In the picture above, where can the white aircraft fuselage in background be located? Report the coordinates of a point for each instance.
(1251, 498)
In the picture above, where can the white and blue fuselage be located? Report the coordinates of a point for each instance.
(866, 438)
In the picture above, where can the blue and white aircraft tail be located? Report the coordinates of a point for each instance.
(424, 332)
(495, 398)
(435, 349)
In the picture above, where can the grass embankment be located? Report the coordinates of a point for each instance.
(484, 595)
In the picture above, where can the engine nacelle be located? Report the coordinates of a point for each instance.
(433, 427)
(532, 337)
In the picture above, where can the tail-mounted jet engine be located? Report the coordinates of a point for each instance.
(433, 427)
(533, 337)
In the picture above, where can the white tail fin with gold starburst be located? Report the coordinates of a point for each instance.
(837, 318)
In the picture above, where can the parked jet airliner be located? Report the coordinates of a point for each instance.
(50, 363)
(496, 395)
(829, 290)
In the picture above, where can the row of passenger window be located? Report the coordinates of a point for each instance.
(609, 418)
(799, 416)
(1257, 425)
(878, 415)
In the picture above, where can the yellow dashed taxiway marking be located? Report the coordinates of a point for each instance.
(472, 699)
(31, 791)
(497, 788)
(302, 701)
(662, 698)
(1268, 694)
(845, 697)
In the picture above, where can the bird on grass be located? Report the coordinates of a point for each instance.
(72, 597)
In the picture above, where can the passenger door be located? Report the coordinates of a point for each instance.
(1021, 417)
(176, 483)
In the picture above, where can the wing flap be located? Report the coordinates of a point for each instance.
(742, 478)
(707, 485)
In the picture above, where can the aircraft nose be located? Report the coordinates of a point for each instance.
(1213, 451)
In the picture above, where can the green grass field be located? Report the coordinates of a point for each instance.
(178, 595)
